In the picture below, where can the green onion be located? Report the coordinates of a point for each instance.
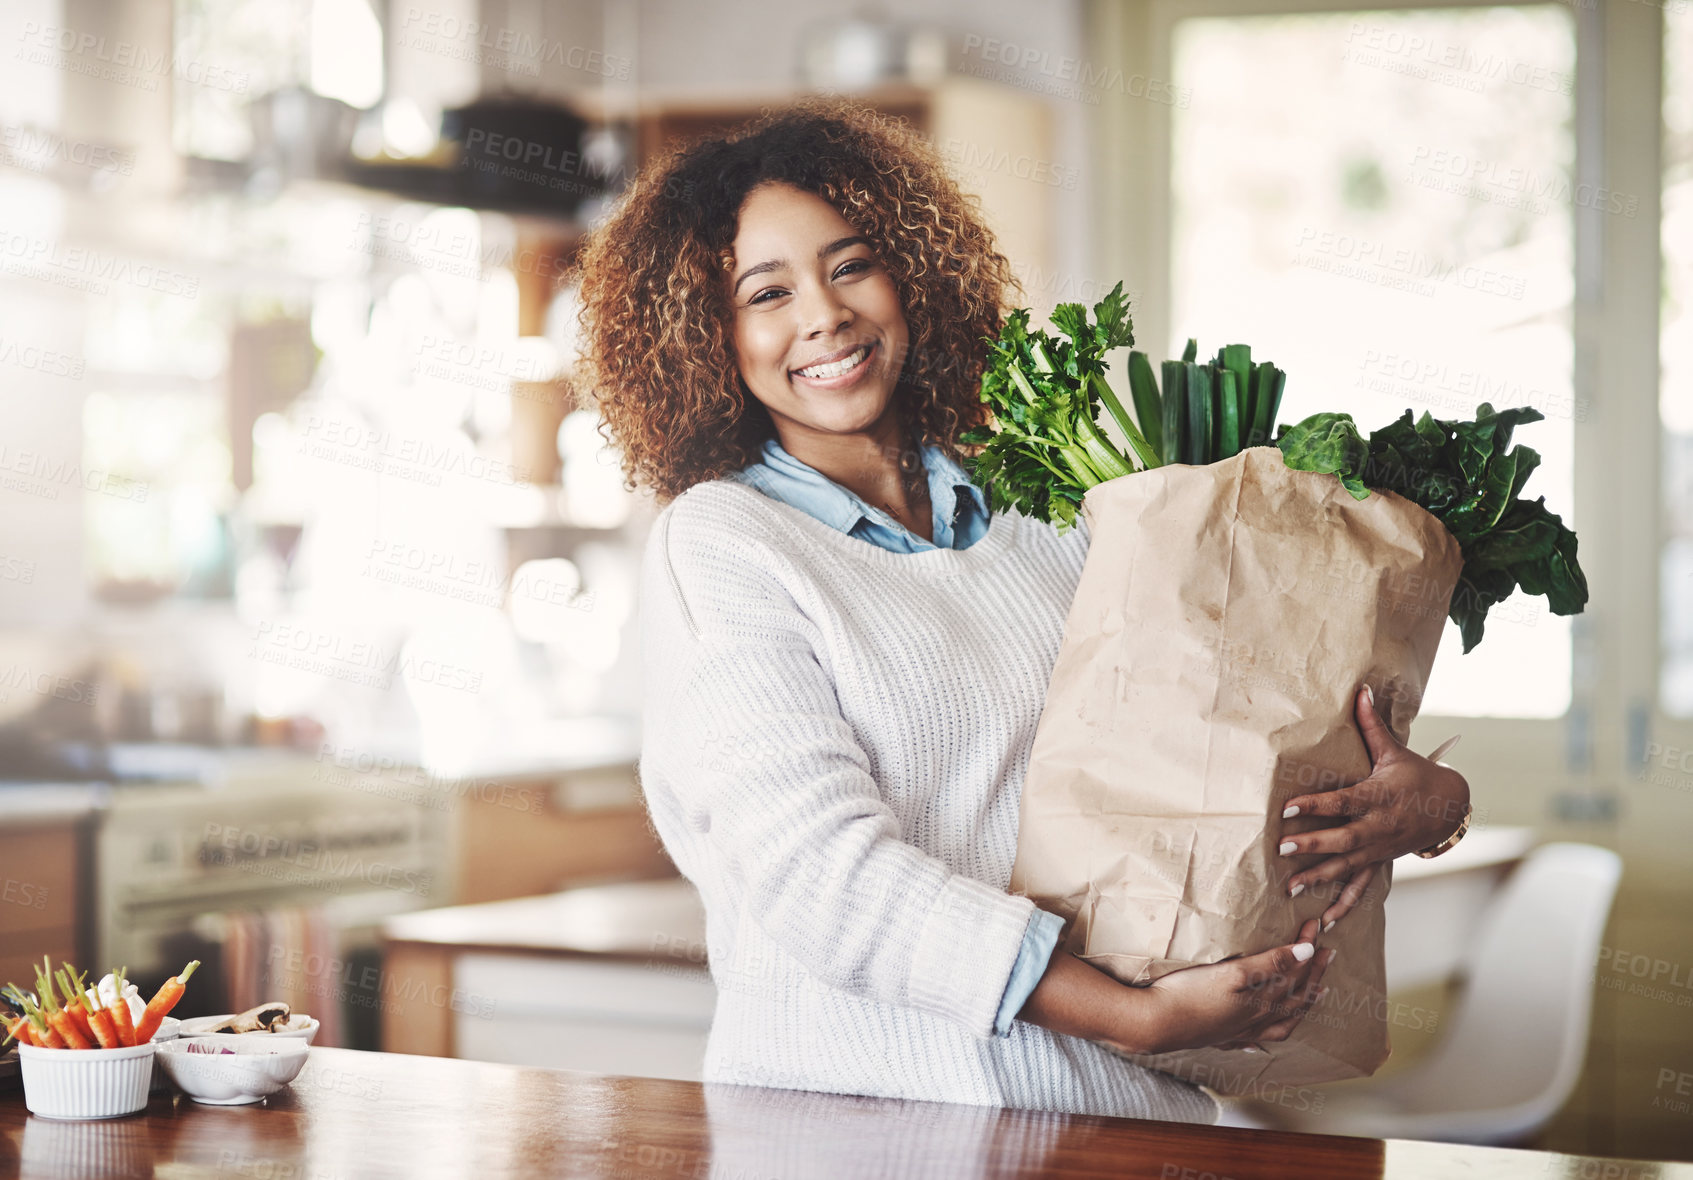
(1237, 359)
(1228, 425)
(1143, 387)
(1198, 382)
(1175, 411)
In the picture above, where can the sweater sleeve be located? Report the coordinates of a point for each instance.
(743, 728)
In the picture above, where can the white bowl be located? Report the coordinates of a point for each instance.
(86, 1083)
(299, 1026)
(233, 1069)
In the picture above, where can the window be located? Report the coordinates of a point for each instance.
(1394, 231)
(229, 54)
(1675, 399)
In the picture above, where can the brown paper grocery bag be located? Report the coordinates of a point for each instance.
(1224, 620)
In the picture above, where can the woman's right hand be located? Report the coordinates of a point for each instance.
(1237, 1003)
(1231, 1005)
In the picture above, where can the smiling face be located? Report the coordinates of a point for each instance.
(819, 331)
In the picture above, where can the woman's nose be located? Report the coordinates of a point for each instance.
(822, 311)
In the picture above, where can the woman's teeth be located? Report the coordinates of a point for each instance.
(836, 368)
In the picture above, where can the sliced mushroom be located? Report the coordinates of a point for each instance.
(267, 1017)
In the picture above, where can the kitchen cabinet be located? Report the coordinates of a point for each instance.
(614, 978)
(323, 849)
(611, 978)
(521, 835)
(997, 141)
(44, 891)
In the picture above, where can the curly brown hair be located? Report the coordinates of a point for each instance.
(657, 339)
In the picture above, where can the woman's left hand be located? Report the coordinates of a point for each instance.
(1407, 803)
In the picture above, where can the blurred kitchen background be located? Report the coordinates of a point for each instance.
(317, 583)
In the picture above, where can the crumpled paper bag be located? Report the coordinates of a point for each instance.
(1224, 620)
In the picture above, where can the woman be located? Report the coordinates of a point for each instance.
(845, 656)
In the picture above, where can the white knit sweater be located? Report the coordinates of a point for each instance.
(835, 738)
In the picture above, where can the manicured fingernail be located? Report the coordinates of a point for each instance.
(1296, 890)
(1303, 950)
(1329, 925)
(1287, 847)
(1289, 812)
(1370, 695)
(1250, 1049)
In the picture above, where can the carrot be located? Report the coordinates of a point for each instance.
(120, 1012)
(105, 1031)
(34, 1023)
(162, 1002)
(72, 991)
(18, 1031)
(45, 1036)
(50, 1021)
(75, 1014)
(18, 1027)
(61, 1023)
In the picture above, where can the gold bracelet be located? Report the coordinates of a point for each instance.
(1446, 844)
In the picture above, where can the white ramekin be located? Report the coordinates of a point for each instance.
(167, 1032)
(86, 1083)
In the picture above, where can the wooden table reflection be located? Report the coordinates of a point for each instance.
(353, 1114)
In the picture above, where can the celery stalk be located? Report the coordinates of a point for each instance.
(1120, 416)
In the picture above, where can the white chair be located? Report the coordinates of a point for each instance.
(1511, 1056)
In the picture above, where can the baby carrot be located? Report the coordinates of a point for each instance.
(75, 1014)
(61, 1023)
(70, 989)
(45, 1036)
(17, 1027)
(160, 1005)
(99, 1019)
(57, 1025)
(31, 1028)
(120, 1012)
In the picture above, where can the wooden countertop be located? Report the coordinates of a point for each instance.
(381, 1115)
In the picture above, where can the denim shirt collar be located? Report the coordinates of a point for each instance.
(783, 477)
